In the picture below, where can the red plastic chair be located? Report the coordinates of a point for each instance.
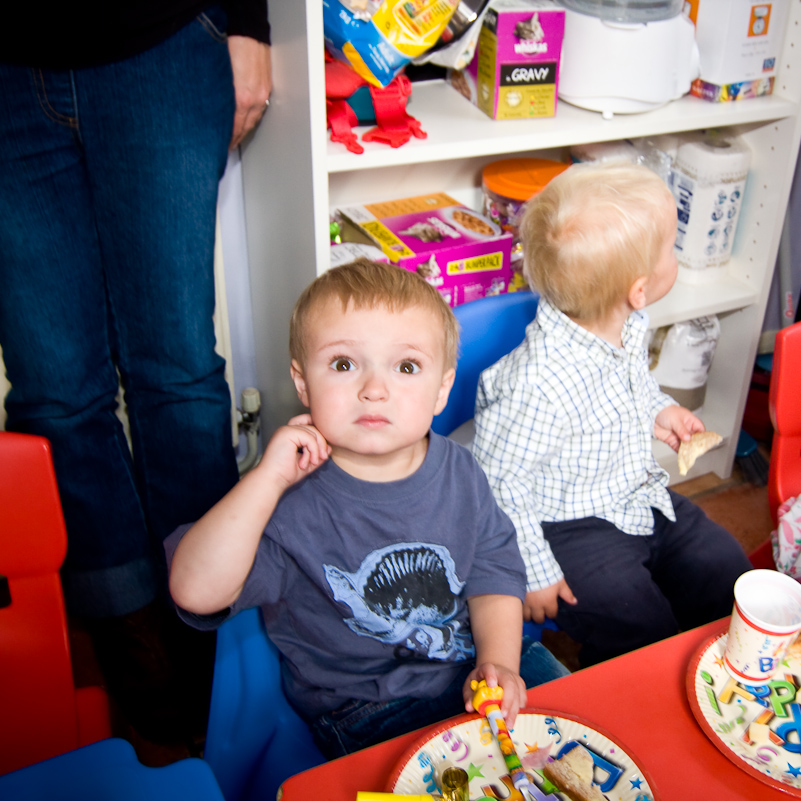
(784, 480)
(42, 714)
(784, 477)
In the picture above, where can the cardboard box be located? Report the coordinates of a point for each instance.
(732, 91)
(514, 74)
(739, 44)
(457, 250)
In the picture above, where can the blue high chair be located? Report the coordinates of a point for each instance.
(490, 328)
(109, 769)
(255, 740)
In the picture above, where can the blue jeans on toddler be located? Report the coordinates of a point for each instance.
(359, 724)
(108, 193)
(636, 590)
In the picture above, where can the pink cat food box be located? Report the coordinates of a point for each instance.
(457, 250)
(514, 74)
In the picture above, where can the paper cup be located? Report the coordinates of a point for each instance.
(764, 624)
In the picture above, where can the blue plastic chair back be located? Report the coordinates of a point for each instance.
(255, 739)
(490, 328)
(109, 769)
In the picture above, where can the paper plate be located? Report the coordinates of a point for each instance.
(757, 728)
(539, 736)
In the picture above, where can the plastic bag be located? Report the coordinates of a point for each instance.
(458, 53)
(786, 538)
(378, 39)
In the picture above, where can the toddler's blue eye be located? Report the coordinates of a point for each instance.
(408, 367)
(342, 365)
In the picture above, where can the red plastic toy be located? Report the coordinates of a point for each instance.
(394, 125)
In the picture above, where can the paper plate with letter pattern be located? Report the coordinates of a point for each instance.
(539, 736)
(757, 728)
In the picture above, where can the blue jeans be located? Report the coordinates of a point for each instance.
(108, 191)
(359, 724)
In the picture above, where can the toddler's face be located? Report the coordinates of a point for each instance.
(373, 381)
(663, 276)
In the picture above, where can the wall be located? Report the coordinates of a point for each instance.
(781, 309)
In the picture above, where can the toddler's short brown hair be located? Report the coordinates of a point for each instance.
(368, 284)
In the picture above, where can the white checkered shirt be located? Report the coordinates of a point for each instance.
(563, 431)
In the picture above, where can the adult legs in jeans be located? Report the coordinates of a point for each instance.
(635, 590)
(359, 724)
(108, 186)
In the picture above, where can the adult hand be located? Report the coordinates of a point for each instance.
(253, 83)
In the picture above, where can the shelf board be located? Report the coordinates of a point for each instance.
(689, 301)
(457, 129)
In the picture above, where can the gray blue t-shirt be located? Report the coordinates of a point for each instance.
(364, 585)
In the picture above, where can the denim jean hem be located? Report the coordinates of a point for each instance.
(111, 592)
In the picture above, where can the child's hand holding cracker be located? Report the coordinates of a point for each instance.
(675, 424)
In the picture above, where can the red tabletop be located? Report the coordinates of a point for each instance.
(639, 699)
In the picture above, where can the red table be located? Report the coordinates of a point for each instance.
(639, 699)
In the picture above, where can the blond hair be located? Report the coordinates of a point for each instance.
(591, 233)
(368, 284)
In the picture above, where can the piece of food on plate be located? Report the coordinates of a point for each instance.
(572, 775)
(696, 446)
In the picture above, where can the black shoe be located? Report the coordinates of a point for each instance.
(158, 671)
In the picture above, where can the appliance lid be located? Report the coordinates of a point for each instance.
(626, 10)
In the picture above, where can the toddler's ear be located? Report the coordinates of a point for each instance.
(636, 298)
(444, 390)
(300, 382)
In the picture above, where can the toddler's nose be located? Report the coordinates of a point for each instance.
(374, 387)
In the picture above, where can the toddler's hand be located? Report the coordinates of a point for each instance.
(675, 424)
(514, 689)
(540, 604)
(294, 451)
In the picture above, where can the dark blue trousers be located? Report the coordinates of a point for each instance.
(635, 590)
(359, 724)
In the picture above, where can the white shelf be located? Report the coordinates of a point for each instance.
(688, 301)
(457, 129)
(294, 174)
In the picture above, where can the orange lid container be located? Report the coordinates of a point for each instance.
(519, 179)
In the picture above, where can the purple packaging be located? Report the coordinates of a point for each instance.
(514, 74)
(457, 250)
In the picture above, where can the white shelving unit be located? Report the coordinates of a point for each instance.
(293, 175)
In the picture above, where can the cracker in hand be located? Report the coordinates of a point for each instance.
(696, 446)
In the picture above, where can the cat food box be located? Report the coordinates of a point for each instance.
(457, 250)
(514, 74)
